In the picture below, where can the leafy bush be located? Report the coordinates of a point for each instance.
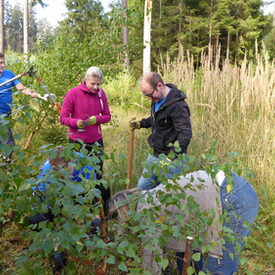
(73, 205)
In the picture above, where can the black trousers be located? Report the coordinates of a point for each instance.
(38, 217)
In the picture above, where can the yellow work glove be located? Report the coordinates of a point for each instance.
(91, 120)
(81, 123)
(134, 124)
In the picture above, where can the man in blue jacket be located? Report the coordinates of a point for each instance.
(55, 163)
(6, 102)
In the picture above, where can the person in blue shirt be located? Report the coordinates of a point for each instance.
(6, 102)
(55, 163)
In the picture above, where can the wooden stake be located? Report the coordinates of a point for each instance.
(187, 255)
(103, 229)
(130, 157)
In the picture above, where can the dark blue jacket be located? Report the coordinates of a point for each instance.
(75, 177)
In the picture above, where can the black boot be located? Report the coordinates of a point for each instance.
(59, 261)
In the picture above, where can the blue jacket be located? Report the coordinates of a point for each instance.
(6, 91)
(75, 177)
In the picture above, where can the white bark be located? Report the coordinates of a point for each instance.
(147, 36)
(125, 34)
(26, 27)
(2, 26)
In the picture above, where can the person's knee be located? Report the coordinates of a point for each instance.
(146, 183)
(38, 217)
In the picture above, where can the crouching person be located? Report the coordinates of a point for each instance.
(236, 199)
(175, 206)
(68, 198)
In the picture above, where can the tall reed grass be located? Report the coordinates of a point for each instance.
(233, 104)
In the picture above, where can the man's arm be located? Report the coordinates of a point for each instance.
(26, 90)
(146, 122)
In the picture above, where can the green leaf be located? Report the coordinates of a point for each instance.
(24, 187)
(203, 249)
(190, 270)
(164, 263)
(243, 261)
(123, 267)
(48, 247)
(196, 257)
(110, 260)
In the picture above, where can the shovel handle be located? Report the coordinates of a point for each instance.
(10, 80)
(130, 157)
(103, 228)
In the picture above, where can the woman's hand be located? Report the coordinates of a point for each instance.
(81, 123)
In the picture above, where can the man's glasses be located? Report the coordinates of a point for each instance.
(151, 94)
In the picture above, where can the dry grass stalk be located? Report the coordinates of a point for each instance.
(232, 103)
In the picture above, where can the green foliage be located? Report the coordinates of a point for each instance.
(197, 26)
(270, 40)
(122, 91)
(71, 202)
(13, 39)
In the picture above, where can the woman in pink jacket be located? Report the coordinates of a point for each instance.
(84, 109)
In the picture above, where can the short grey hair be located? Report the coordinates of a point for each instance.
(93, 72)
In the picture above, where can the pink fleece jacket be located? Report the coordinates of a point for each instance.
(80, 103)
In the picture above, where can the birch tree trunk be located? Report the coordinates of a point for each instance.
(180, 7)
(26, 27)
(125, 34)
(2, 26)
(147, 36)
(228, 45)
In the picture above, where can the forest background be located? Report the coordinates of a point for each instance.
(219, 52)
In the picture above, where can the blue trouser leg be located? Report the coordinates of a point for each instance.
(151, 180)
(38, 217)
(242, 206)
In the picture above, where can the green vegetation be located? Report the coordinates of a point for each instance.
(225, 106)
(214, 54)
